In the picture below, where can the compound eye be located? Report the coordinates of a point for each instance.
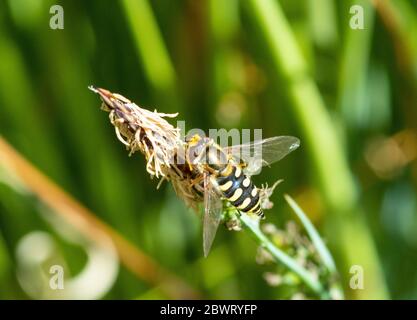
(188, 138)
(192, 139)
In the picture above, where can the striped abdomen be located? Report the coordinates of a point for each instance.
(239, 190)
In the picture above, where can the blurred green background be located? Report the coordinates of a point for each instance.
(288, 67)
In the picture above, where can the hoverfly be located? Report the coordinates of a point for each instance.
(208, 173)
(225, 173)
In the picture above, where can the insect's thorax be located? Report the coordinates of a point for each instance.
(206, 155)
(216, 159)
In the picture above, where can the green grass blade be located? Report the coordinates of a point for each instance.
(150, 46)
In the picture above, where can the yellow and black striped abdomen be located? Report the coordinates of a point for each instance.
(239, 190)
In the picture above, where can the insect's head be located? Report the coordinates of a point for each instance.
(196, 147)
(110, 100)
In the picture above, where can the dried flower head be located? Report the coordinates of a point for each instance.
(143, 130)
(148, 132)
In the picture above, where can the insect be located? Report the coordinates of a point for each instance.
(199, 169)
(225, 173)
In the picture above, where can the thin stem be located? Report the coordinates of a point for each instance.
(281, 257)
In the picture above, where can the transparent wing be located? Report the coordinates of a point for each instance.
(257, 154)
(213, 207)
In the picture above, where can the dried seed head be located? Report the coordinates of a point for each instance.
(142, 130)
(148, 132)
